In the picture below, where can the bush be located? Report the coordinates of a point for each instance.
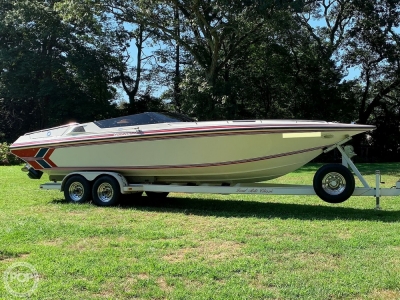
(6, 157)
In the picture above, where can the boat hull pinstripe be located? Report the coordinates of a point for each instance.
(195, 152)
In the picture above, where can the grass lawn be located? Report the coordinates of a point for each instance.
(203, 246)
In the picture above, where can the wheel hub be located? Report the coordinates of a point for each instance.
(76, 191)
(333, 183)
(105, 192)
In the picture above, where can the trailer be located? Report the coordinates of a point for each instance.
(333, 183)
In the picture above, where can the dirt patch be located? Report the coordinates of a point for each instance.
(206, 250)
(290, 237)
(260, 282)
(193, 284)
(381, 295)
(106, 292)
(345, 235)
(163, 285)
(128, 284)
(96, 242)
(314, 260)
(142, 276)
(88, 243)
(53, 243)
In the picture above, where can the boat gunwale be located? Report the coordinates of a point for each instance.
(187, 132)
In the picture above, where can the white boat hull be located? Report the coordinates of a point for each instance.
(243, 153)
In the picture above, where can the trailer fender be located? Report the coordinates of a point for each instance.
(91, 176)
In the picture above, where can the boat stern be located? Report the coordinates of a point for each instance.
(33, 149)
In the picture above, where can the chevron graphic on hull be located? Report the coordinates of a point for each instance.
(43, 158)
(38, 158)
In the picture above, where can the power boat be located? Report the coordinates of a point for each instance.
(158, 153)
(169, 148)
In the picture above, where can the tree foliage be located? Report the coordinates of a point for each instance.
(214, 59)
(51, 71)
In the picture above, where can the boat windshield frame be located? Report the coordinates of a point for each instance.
(145, 118)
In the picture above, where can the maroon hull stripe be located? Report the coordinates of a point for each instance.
(227, 163)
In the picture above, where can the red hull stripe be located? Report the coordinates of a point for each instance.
(25, 152)
(35, 165)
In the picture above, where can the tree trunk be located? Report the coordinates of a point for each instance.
(177, 77)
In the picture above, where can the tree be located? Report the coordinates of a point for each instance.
(214, 32)
(282, 75)
(136, 76)
(360, 35)
(51, 70)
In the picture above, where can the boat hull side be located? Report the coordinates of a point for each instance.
(232, 157)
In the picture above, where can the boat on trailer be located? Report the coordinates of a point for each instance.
(162, 152)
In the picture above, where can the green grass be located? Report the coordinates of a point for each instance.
(203, 246)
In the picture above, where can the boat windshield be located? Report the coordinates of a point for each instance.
(143, 119)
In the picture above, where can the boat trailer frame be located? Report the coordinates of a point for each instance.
(244, 188)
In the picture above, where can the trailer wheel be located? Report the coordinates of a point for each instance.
(157, 195)
(106, 191)
(334, 183)
(77, 189)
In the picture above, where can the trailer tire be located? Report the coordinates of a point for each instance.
(157, 195)
(106, 191)
(77, 189)
(334, 183)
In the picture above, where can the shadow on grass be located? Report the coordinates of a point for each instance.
(254, 209)
(364, 168)
(4, 254)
